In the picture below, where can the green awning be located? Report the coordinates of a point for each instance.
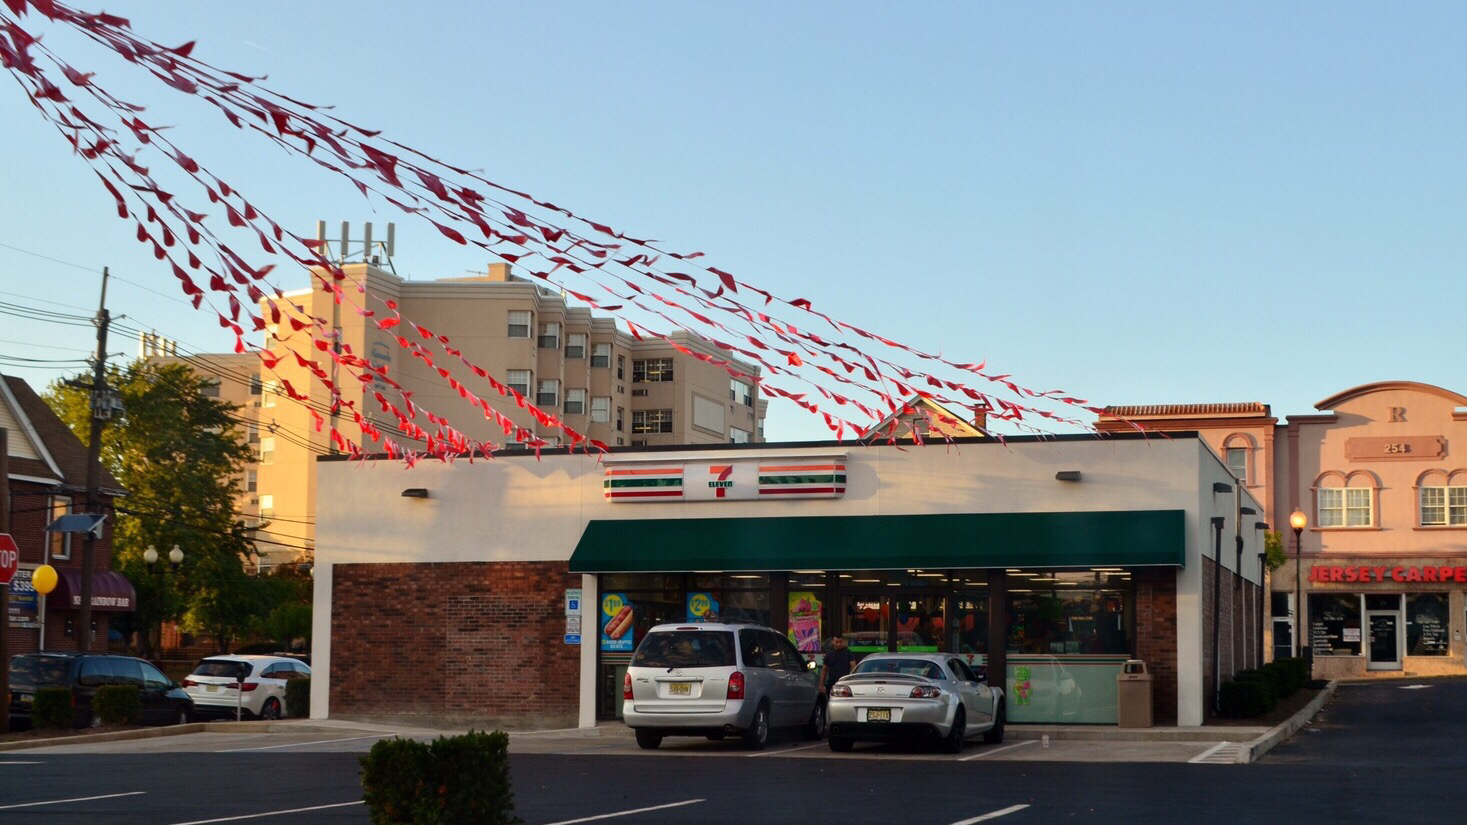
(1129, 538)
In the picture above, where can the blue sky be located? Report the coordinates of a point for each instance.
(1134, 202)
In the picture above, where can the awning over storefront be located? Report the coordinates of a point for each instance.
(1131, 538)
(110, 591)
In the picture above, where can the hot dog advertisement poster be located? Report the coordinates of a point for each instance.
(616, 624)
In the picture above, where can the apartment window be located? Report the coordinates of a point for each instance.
(252, 432)
(575, 402)
(738, 436)
(651, 370)
(251, 481)
(549, 336)
(600, 409)
(519, 323)
(1443, 506)
(620, 419)
(651, 421)
(267, 449)
(210, 389)
(621, 367)
(267, 506)
(1345, 507)
(60, 542)
(255, 384)
(268, 392)
(548, 394)
(639, 442)
(1237, 458)
(600, 355)
(620, 442)
(741, 392)
(518, 380)
(575, 345)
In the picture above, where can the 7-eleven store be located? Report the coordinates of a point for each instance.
(1051, 560)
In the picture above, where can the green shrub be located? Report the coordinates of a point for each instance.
(298, 698)
(118, 704)
(1244, 699)
(1298, 668)
(1265, 683)
(1286, 681)
(52, 708)
(456, 779)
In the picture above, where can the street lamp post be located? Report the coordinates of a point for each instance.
(175, 558)
(1298, 520)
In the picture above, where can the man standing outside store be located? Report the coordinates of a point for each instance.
(837, 664)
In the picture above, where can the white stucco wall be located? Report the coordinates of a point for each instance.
(523, 509)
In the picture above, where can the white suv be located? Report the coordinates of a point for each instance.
(254, 685)
(714, 679)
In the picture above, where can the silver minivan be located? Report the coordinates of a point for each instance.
(717, 679)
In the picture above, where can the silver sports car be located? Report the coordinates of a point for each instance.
(914, 695)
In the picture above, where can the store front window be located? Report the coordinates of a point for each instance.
(1069, 612)
(1427, 623)
(1334, 624)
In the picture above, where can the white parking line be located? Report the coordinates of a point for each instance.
(303, 744)
(993, 815)
(270, 813)
(997, 750)
(788, 750)
(22, 763)
(74, 799)
(607, 816)
(1202, 757)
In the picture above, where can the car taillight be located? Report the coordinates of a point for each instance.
(626, 687)
(190, 683)
(736, 685)
(841, 690)
(249, 686)
(925, 693)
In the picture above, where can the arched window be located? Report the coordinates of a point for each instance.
(1442, 498)
(1345, 500)
(1238, 455)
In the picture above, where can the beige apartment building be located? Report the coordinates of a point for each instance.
(598, 379)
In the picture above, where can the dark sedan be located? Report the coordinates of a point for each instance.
(163, 700)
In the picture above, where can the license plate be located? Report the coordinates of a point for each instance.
(211, 688)
(25, 698)
(680, 688)
(878, 714)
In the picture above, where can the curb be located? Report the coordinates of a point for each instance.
(1265, 743)
(111, 736)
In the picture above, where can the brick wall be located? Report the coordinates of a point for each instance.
(1156, 638)
(454, 644)
(1238, 632)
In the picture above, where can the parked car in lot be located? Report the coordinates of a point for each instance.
(932, 696)
(716, 680)
(163, 701)
(255, 685)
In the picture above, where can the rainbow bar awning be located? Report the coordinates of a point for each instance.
(1120, 538)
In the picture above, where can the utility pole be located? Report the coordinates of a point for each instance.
(101, 410)
(5, 528)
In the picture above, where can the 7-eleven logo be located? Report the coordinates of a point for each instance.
(722, 483)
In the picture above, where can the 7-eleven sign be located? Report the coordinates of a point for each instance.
(721, 481)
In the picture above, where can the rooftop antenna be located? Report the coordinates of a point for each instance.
(365, 251)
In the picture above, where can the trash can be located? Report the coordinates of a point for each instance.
(1133, 695)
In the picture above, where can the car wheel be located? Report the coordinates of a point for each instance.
(815, 729)
(994, 735)
(757, 736)
(840, 744)
(954, 741)
(94, 721)
(271, 710)
(181, 718)
(648, 740)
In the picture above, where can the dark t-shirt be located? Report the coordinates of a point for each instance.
(837, 664)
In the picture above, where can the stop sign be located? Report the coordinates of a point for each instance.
(9, 558)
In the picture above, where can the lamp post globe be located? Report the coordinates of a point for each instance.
(150, 555)
(175, 555)
(1298, 521)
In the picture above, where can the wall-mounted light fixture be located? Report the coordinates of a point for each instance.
(415, 492)
(1067, 475)
(1221, 487)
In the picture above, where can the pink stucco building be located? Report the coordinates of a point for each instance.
(1384, 546)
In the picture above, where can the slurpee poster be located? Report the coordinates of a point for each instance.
(702, 607)
(805, 614)
(617, 618)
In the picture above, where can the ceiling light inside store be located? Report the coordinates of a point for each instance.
(865, 581)
(1108, 569)
(746, 576)
(809, 572)
(1019, 590)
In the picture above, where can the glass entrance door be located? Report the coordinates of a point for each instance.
(1385, 641)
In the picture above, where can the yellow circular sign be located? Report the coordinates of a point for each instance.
(43, 579)
(698, 605)
(611, 604)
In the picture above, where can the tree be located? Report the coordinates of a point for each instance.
(177, 453)
(1273, 545)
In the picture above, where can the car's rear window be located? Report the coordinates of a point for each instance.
(686, 648)
(222, 668)
(909, 667)
(34, 671)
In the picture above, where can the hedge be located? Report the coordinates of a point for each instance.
(118, 704)
(1246, 698)
(455, 779)
(298, 698)
(52, 708)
